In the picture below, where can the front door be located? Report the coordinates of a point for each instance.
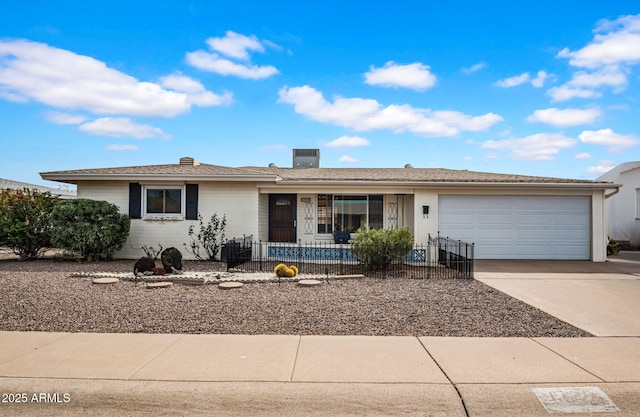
(282, 218)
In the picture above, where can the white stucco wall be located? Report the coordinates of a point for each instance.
(239, 202)
(622, 208)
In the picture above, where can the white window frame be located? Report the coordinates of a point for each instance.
(164, 216)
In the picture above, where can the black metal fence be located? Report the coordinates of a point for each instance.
(439, 259)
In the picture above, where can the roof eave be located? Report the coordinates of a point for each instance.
(450, 184)
(75, 178)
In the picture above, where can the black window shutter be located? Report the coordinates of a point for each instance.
(135, 200)
(192, 202)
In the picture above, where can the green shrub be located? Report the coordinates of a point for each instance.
(612, 247)
(209, 237)
(379, 248)
(89, 228)
(24, 222)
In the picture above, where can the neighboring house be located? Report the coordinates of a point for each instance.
(506, 216)
(623, 209)
(17, 185)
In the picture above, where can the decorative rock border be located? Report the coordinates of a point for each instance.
(203, 278)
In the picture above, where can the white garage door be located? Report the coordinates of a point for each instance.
(519, 227)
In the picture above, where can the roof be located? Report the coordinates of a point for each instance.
(208, 172)
(158, 172)
(17, 185)
(616, 172)
(406, 175)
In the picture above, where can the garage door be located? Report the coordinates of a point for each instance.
(519, 227)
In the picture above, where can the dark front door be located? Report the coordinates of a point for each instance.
(282, 218)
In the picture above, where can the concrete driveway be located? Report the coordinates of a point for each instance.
(602, 298)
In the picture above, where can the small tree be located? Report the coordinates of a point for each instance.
(378, 248)
(209, 237)
(24, 222)
(92, 229)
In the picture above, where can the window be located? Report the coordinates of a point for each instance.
(349, 212)
(163, 201)
(637, 203)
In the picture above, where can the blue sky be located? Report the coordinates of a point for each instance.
(546, 88)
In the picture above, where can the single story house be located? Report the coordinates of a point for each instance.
(18, 185)
(623, 209)
(506, 216)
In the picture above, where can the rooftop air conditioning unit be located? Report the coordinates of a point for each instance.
(306, 158)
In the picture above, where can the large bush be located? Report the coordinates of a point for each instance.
(24, 222)
(378, 248)
(89, 228)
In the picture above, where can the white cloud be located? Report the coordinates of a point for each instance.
(514, 81)
(121, 127)
(607, 59)
(566, 92)
(119, 148)
(566, 117)
(541, 77)
(235, 47)
(416, 76)
(347, 142)
(367, 114)
(602, 167)
(195, 91)
(583, 155)
(214, 63)
(611, 76)
(524, 78)
(615, 42)
(616, 142)
(474, 68)
(65, 80)
(61, 118)
(348, 159)
(538, 147)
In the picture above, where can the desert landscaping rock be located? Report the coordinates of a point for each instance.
(230, 285)
(42, 296)
(309, 282)
(105, 280)
(162, 284)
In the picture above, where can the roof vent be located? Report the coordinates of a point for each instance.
(273, 165)
(408, 166)
(306, 158)
(187, 160)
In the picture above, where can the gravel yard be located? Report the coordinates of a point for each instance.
(41, 296)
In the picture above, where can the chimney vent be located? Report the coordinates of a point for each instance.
(306, 158)
(187, 160)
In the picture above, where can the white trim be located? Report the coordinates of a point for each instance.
(164, 216)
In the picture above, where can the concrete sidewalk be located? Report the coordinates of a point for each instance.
(159, 374)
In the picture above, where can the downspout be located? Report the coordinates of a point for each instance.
(607, 196)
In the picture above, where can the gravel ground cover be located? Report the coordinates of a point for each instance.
(42, 296)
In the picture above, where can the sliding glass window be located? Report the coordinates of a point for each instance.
(349, 212)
